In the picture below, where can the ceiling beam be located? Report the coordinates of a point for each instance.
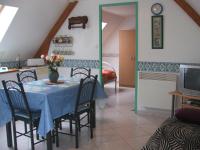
(189, 10)
(44, 48)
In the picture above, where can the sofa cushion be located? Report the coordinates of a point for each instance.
(190, 115)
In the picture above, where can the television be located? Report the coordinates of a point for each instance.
(189, 80)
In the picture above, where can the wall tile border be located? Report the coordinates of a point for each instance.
(14, 64)
(142, 65)
(67, 63)
(81, 63)
(161, 66)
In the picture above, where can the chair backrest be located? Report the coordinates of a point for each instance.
(27, 76)
(86, 91)
(16, 97)
(80, 72)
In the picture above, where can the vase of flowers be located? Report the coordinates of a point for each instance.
(53, 62)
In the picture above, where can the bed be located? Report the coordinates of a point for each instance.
(175, 134)
(109, 74)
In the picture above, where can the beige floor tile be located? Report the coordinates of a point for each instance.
(117, 145)
(138, 142)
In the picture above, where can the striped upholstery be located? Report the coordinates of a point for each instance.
(175, 135)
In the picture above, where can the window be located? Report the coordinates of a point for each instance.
(7, 14)
(103, 25)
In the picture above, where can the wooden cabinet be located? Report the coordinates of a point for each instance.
(127, 58)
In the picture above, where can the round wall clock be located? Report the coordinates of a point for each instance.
(156, 9)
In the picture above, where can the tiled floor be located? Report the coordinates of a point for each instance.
(117, 126)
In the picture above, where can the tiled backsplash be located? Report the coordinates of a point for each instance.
(13, 64)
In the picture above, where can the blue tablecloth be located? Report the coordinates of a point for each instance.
(53, 101)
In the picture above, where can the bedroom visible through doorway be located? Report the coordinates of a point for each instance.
(118, 46)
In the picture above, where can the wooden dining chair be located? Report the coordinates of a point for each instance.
(81, 72)
(83, 104)
(20, 110)
(27, 76)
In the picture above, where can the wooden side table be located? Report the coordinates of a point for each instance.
(176, 94)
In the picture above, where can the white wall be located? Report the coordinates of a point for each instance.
(113, 21)
(181, 44)
(155, 94)
(86, 41)
(181, 34)
(112, 43)
(29, 27)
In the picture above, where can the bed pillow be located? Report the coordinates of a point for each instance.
(189, 115)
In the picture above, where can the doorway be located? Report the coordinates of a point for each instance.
(125, 57)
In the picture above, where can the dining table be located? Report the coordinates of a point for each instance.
(52, 99)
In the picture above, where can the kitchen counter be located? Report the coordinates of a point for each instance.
(9, 71)
(10, 74)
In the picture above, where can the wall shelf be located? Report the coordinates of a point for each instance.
(78, 22)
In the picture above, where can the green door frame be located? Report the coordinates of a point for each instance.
(100, 44)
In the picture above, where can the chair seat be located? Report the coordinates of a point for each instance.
(82, 109)
(22, 115)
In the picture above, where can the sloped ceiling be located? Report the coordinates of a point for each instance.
(113, 16)
(122, 11)
(112, 21)
(29, 27)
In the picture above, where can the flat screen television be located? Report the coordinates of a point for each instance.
(189, 80)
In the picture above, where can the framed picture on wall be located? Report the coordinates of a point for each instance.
(157, 32)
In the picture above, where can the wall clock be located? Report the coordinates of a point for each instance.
(156, 9)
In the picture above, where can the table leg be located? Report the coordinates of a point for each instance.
(173, 105)
(49, 141)
(9, 134)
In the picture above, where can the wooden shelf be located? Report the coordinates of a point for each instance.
(178, 93)
(184, 98)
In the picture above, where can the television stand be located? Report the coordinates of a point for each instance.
(185, 98)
